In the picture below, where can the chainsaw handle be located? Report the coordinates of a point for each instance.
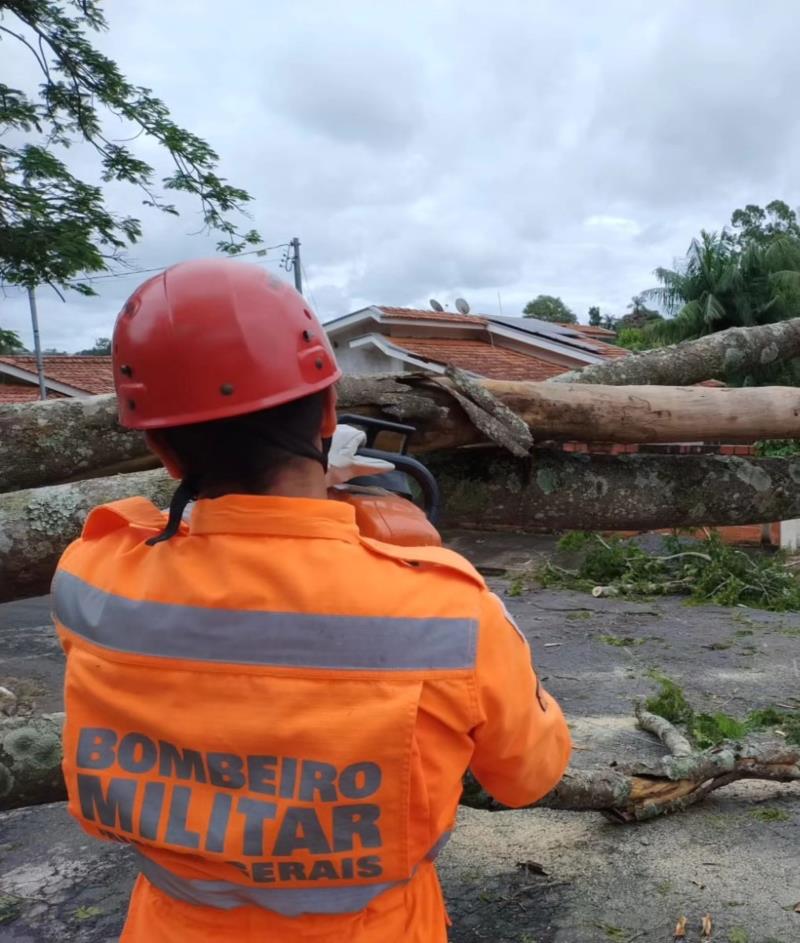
(419, 473)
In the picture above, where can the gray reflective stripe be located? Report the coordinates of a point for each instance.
(290, 902)
(254, 637)
(434, 853)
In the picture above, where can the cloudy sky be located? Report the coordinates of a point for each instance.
(437, 148)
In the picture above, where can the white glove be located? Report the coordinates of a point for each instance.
(344, 464)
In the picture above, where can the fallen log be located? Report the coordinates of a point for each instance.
(37, 525)
(481, 486)
(553, 490)
(737, 350)
(30, 773)
(30, 760)
(641, 791)
(43, 445)
(59, 440)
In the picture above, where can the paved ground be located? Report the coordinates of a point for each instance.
(602, 882)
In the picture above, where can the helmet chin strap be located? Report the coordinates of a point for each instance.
(184, 494)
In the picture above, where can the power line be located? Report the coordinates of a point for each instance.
(310, 290)
(160, 268)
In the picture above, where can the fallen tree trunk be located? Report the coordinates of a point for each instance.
(30, 760)
(42, 443)
(33, 453)
(30, 773)
(481, 486)
(642, 791)
(562, 491)
(736, 350)
(37, 525)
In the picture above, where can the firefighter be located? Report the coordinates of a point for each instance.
(273, 711)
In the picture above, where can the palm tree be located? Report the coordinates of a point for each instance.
(720, 286)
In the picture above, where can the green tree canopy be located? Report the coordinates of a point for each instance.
(10, 342)
(594, 316)
(55, 226)
(549, 308)
(756, 225)
(744, 276)
(102, 348)
(638, 315)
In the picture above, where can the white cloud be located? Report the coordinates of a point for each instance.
(423, 149)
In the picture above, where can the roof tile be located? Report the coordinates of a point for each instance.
(88, 373)
(480, 357)
(23, 393)
(417, 314)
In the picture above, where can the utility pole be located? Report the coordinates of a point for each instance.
(295, 260)
(36, 345)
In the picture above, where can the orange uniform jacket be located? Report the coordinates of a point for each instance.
(276, 713)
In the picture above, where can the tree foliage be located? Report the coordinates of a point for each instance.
(102, 348)
(755, 225)
(707, 571)
(743, 276)
(53, 225)
(549, 308)
(594, 316)
(638, 314)
(10, 342)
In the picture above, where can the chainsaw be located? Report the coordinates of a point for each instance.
(395, 497)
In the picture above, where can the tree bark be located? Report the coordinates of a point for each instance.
(30, 760)
(42, 443)
(37, 525)
(482, 487)
(713, 357)
(30, 773)
(66, 439)
(642, 791)
(562, 491)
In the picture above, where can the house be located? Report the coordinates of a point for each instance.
(388, 340)
(63, 376)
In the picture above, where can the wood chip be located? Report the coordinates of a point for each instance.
(708, 925)
(552, 644)
(698, 884)
(680, 928)
(797, 908)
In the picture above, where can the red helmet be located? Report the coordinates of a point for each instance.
(212, 339)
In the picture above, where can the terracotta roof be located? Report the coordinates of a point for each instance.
(23, 393)
(590, 330)
(417, 314)
(480, 357)
(86, 373)
(607, 350)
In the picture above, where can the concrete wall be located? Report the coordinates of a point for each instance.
(367, 361)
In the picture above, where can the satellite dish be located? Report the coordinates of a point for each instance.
(435, 305)
(462, 306)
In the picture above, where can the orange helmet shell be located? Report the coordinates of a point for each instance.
(215, 338)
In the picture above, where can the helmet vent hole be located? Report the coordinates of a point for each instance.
(318, 364)
(131, 404)
(226, 389)
(126, 370)
(308, 336)
(308, 314)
